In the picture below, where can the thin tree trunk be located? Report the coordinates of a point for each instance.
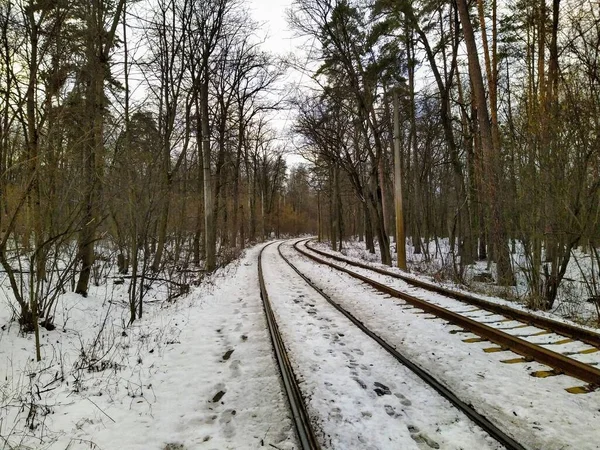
(209, 222)
(491, 153)
(369, 243)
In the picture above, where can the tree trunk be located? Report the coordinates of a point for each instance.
(369, 243)
(209, 222)
(93, 149)
(162, 229)
(491, 154)
(99, 42)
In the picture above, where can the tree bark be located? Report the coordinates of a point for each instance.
(209, 222)
(491, 153)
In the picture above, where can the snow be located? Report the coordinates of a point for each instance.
(537, 412)
(359, 395)
(573, 291)
(199, 373)
(196, 374)
(353, 253)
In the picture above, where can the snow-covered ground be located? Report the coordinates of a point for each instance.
(441, 299)
(359, 396)
(537, 412)
(196, 374)
(571, 302)
(200, 374)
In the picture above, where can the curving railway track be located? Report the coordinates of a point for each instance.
(565, 348)
(304, 428)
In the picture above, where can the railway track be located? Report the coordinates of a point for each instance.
(499, 324)
(301, 419)
(304, 430)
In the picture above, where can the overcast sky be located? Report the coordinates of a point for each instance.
(271, 14)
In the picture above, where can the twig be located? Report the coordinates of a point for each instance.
(151, 279)
(101, 410)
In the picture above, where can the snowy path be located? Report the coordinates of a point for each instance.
(197, 375)
(358, 395)
(537, 412)
(200, 374)
(221, 386)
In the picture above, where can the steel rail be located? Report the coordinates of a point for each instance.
(483, 422)
(561, 363)
(300, 417)
(565, 329)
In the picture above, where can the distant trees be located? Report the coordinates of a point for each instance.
(142, 131)
(355, 83)
(91, 171)
(499, 146)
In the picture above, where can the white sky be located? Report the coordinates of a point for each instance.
(281, 40)
(272, 15)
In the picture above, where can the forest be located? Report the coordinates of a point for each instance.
(496, 107)
(137, 135)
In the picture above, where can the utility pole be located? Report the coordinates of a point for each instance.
(400, 237)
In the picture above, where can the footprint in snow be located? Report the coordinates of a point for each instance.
(422, 438)
(227, 354)
(220, 393)
(381, 389)
(235, 368)
(174, 446)
(209, 420)
(390, 410)
(227, 416)
(360, 382)
(335, 414)
(403, 399)
(226, 421)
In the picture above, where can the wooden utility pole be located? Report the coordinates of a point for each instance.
(400, 237)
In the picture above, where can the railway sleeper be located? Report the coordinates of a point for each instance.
(585, 372)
